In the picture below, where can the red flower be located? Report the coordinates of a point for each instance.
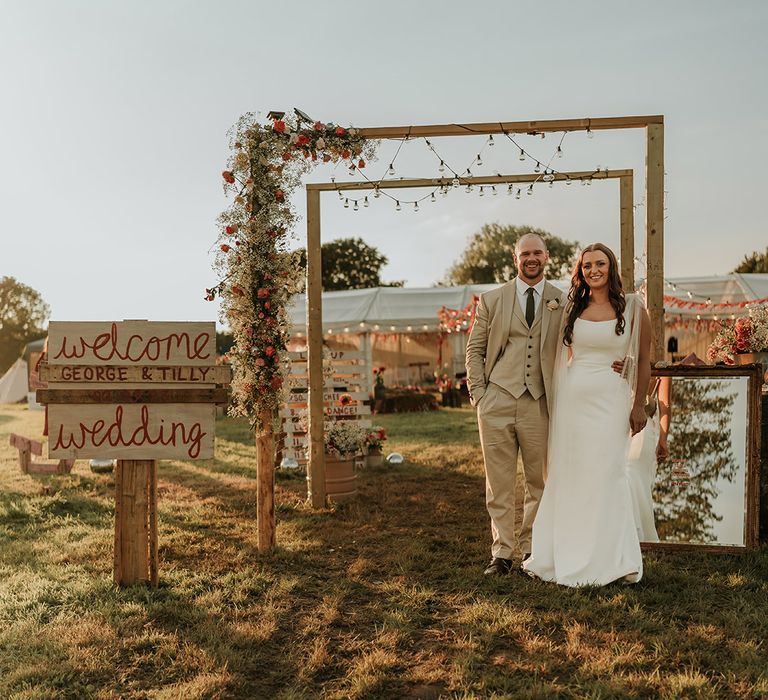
(286, 155)
(262, 293)
(260, 362)
(279, 196)
(225, 248)
(303, 140)
(314, 155)
(267, 305)
(269, 351)
(277, 381)
(237, 290)
(326, 157)
(340, 131)
(279, 126)
(228, 176)
(361, 163)
(231, 229)
(210, 297)
(345, 154)
(318, 126)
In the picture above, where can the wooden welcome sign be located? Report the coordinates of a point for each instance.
(137, 391)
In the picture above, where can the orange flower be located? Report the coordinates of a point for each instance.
(340, 131)
(228, 176)
(279, 126)
(361, 163)
(225, 248)
(231, 229)
(279, 196)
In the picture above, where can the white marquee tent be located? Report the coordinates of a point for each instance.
(13, 384)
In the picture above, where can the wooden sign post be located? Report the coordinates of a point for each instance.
(136, 391)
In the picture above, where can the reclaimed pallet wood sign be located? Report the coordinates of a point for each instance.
(136, 390)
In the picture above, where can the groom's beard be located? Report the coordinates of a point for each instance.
(532, 272)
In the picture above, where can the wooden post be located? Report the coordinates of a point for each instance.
(135, 535)
(316, 462)
(654, 235)
(265, 483)
(366, 346)
(627, 218)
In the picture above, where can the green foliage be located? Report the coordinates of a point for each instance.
(22, 316)
(757, 262)
(350, 263)
(488, 257)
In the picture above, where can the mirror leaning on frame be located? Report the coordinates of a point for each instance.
(694, 469)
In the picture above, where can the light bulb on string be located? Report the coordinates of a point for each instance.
(530, 189)
(479, 159)
(469, 187)
(559, 152)
(346, 203)
(510, 189)
(441, 169)
(493, 190)
(356, 207)
(391, 170)
(590, 135)
(432, 197)
(415, 206)
(341, 196)
(444, 191)
(490, 140)
(365, 201)
(568, 180)
(589, 182)
(352, 168)
(456, 182)
(517, 196)
(376, 193)
(551, 184)
(522, 154)
(397, 206)
(482, 192)
(537, 169)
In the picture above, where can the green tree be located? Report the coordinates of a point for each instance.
(22, 316)
(757, 262)
(488, 256)
(350, 263)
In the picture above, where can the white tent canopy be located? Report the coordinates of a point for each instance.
(415, 309)
(13, 384)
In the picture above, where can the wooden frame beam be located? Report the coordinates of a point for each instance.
(522, 127)
(479, 180)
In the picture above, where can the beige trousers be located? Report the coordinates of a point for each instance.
(508, 426)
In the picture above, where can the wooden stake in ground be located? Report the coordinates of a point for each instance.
(265, 483)
(135, 522)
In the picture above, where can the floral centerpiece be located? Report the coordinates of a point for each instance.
(345, 438)
(374, 441)
(747, 335)
(258, 272)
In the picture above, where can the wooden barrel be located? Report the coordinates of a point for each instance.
(340, 478)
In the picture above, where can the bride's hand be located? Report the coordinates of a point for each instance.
(637, 419)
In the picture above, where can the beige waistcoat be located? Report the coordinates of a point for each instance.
(519, 367)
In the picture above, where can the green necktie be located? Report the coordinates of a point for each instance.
(530, 308)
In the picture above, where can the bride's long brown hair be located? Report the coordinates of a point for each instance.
(578, 296)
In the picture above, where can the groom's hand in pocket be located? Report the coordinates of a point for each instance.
(618, 366)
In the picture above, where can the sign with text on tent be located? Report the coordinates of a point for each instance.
(132, 390)
(345, 397)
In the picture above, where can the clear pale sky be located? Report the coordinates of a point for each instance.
(115, 117)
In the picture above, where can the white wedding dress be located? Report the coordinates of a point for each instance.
(584, 532)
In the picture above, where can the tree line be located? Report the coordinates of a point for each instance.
(348, 263)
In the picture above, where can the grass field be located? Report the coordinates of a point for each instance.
(380, 598)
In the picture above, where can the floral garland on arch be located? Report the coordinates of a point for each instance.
(258, 273)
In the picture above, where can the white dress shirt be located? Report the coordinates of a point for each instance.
(522, 296)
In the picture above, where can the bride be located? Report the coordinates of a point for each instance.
(584, 532)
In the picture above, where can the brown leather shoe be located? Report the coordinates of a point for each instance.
(498, 567)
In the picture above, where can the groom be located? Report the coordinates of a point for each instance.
(510, 359)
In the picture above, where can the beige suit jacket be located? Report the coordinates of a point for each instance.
(489, 336)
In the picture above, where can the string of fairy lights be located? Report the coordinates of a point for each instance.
(454, 178)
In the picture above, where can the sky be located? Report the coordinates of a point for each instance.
(115, 116)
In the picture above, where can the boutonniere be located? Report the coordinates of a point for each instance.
(553, 304)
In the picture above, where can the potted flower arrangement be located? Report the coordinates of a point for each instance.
(344, 439)
(743, 341)
(374, 443)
